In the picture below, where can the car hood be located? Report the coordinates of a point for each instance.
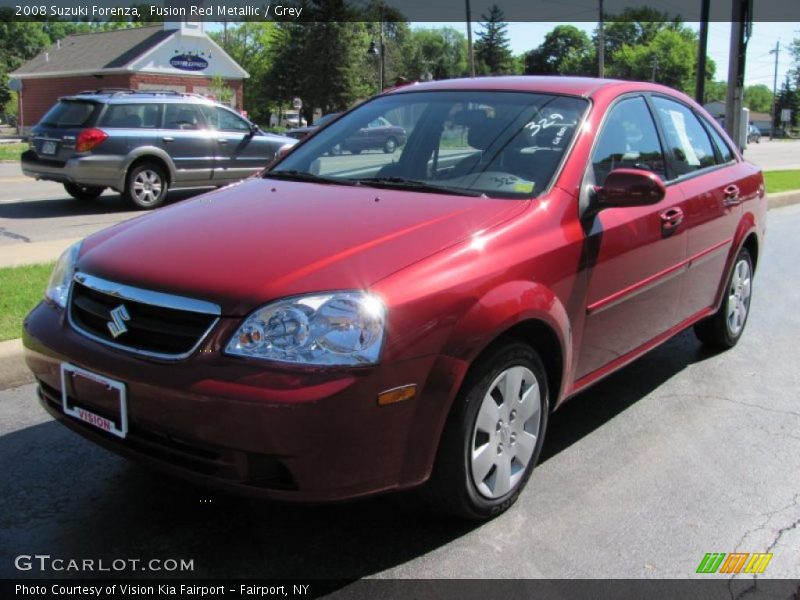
(263, 239)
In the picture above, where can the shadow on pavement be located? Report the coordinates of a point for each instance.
(63, 496)
(592, 409)
(67, 206)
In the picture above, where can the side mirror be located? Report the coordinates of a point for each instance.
(630, 187)
(254, 129)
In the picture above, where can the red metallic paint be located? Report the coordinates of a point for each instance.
(456, 274)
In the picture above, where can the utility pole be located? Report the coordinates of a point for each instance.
(382, 51)
(741, 28)
(601, 44)
(702, 51)
(470, 50)
(777, 53)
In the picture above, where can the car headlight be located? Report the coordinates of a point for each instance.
(61, 279)
(340, 328)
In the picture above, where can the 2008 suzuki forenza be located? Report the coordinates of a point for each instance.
(351, 323)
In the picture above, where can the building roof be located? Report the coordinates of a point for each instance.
(92, 52)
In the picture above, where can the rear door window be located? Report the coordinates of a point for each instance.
(70, 113)
(724, 149)
(132, 116)
(183, 116)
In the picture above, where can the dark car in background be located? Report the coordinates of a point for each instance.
(378, 134)
(299, 133)
(143, 143)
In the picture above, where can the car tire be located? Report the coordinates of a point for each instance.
(482, 464)
(83, 192)
(724, 329)
(146, 186)
(390, 146)
(355, 151)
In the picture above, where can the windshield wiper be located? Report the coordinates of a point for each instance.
(401, 183)
(292, 175)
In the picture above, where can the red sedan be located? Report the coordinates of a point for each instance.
(349, 324)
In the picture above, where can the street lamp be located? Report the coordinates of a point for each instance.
(375, 50)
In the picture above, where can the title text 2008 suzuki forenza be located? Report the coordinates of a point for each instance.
(347, 324)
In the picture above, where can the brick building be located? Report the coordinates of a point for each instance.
(175, 56)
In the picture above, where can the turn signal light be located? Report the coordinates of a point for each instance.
(398, 394)
(90, 138)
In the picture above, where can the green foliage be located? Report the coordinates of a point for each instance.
(566, 50)
(440, 52)
(715, 90)
(758, 98)
(248, 44)
(492, 48)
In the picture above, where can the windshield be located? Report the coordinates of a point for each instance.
(69, 113)
(498, 144)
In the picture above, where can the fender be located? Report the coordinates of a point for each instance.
(489, 318)
(140, 152)
(747, 225)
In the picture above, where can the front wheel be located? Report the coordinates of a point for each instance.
(723, 330)
(83, 192)
(146, 186)
(493, 436)
(390, 146)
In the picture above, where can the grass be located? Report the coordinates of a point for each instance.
(12, 151)
(21, 288)
(782, 181)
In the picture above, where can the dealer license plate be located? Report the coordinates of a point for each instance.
(48, 148)
(94, 399)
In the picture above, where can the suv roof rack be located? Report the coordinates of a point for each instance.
(124, 91)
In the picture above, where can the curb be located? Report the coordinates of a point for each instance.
(782, 199)
(13, 371)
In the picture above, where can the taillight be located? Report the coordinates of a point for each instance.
(89, 138)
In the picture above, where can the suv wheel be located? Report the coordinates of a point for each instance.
(390, 146)
(493, 436)
(722, 330)
(83, 192)
(146, 186)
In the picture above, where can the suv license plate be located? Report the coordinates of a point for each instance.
(48, 148)
(74, 378)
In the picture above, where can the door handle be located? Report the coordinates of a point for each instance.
(167, 139)
(222, 140)
(671, 219)
(731, 196)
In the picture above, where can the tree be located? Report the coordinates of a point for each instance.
(492, 49)
(715, 90)
(669, 59)
(758, 98)
(440, 52)
(566, 50)
(246, 43)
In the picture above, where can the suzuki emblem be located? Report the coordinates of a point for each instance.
(117, 323)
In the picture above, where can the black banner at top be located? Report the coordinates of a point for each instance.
(375, 10)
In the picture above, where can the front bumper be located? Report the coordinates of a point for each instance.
(288, 434)
(98, 170)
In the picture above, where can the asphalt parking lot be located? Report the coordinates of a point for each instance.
(680, 454)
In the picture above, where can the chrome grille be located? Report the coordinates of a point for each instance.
(141, 321)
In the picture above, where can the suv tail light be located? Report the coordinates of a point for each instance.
(89, 138)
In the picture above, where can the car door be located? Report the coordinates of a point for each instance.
(634, 254)
(187, 139)
(706, 174)
(240, 151)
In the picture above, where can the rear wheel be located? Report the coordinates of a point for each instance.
(493, 436)
(390, 146)
(146, 186)
(723, 330)
(83, 192)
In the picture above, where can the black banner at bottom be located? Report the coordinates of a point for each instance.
(407, 589)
